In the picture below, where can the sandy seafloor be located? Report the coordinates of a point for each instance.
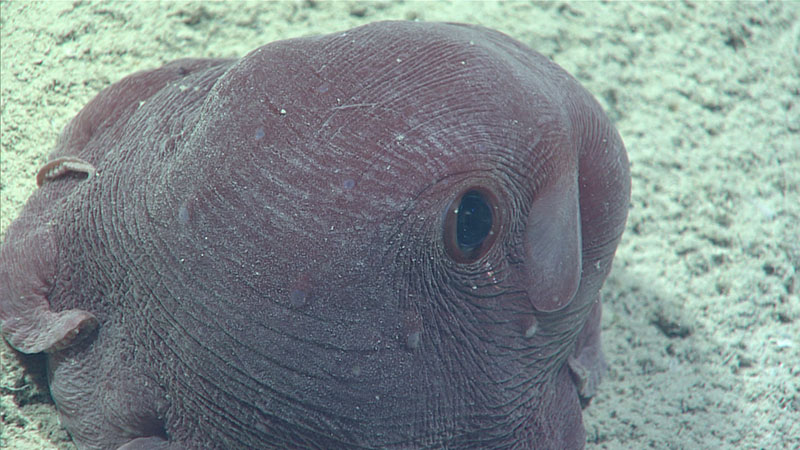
(701, 323)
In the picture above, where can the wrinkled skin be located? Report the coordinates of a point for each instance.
(389, 237)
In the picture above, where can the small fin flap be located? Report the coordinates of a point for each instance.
(586, 380)
(587, 364)
(42, 330)
(60, 167)
(27, 270)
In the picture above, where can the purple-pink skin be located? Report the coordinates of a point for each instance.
(277, 251)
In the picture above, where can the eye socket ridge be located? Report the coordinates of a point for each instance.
(471, 225)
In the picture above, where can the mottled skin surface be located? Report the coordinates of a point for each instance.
(270, 251)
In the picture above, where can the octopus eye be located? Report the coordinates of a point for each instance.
(471, 225)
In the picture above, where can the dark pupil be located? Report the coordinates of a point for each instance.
(474, 221)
